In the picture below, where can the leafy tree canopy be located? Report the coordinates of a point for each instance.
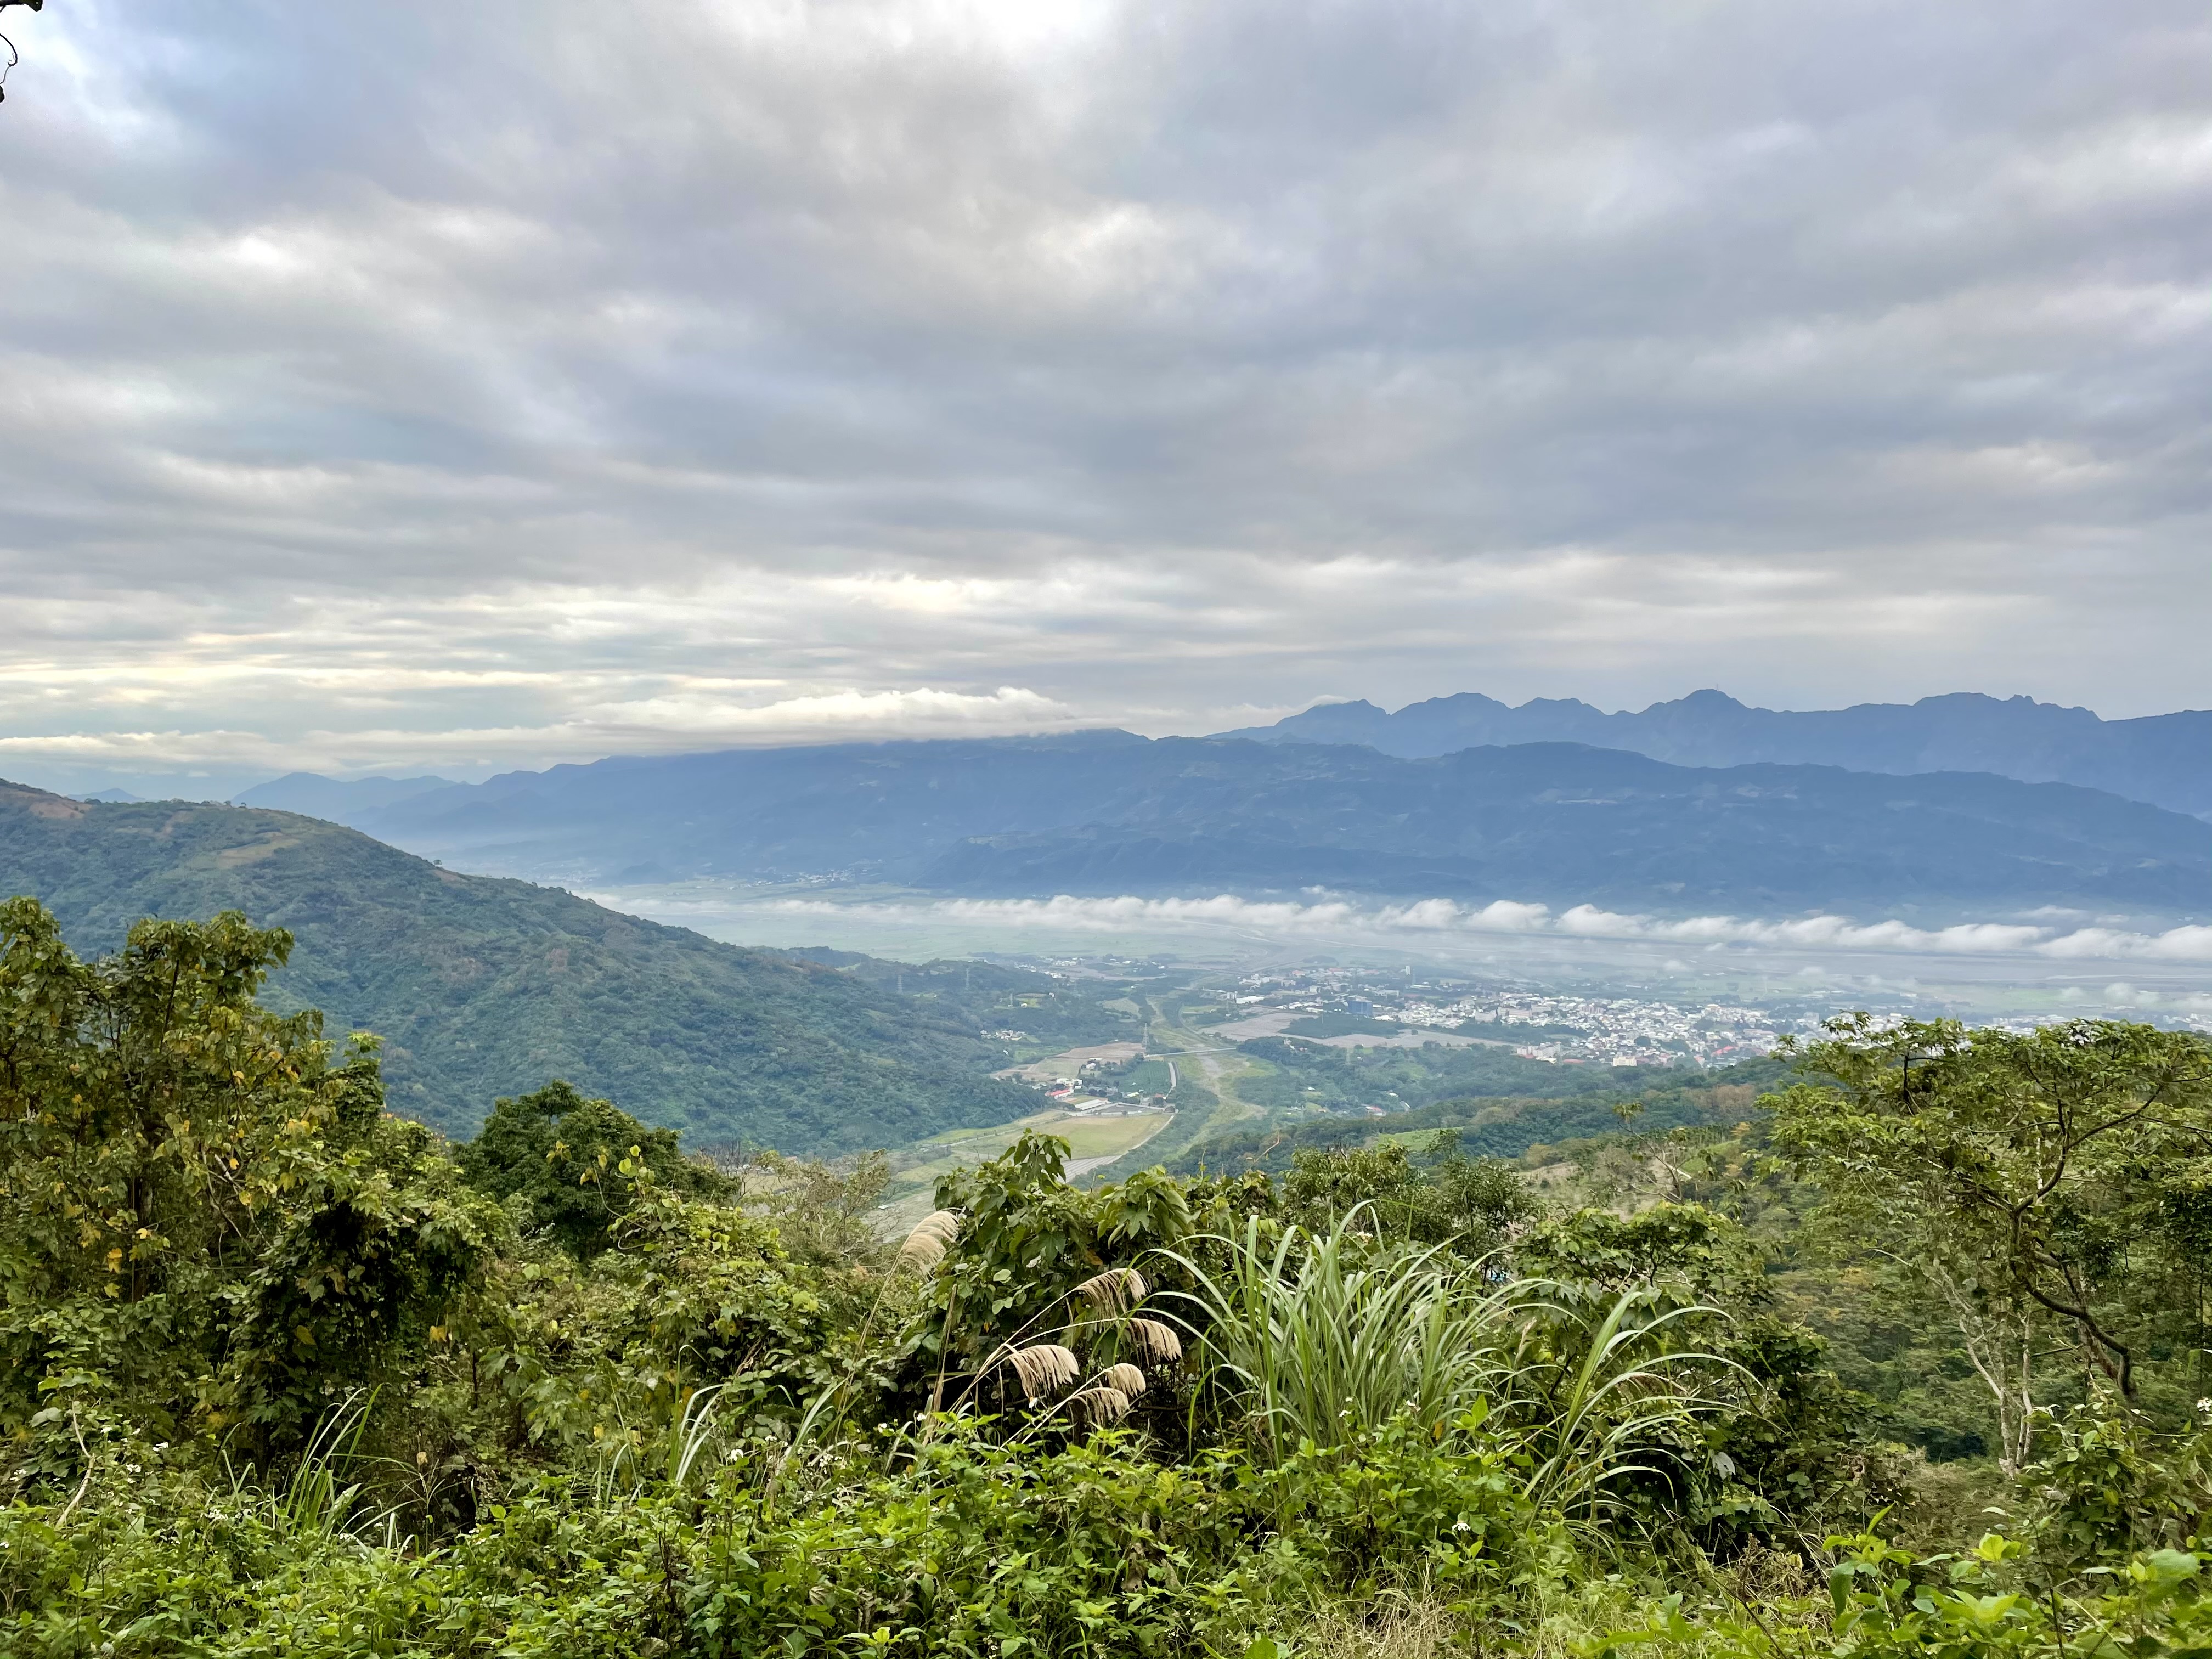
(574, 1164)
(1473, 1203)
(2058, 1179)
(204, 1219)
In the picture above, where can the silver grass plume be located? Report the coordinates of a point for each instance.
(1043, 1368)
(1100, 1405)
(1115, 1292)
(926, 1245)
(1125, 1377)
(1154, 1342)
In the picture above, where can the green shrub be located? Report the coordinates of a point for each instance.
(984, 1546)
(1885, 1603)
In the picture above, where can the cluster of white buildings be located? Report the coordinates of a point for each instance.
(1565, 1030)
(1608, 1031)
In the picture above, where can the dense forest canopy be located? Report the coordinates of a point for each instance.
(286, 1373)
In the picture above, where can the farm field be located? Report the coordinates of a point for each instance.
(1091, 1141)
(1069, 1063)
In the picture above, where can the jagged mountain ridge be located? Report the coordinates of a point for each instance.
(2163, 759)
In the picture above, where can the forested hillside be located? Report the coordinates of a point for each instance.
(1322, 1077)
(483, 987)
(1579, 1105)
(283, 1374)
(1106, 812)
(1045, 1012)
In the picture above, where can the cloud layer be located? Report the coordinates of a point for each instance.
(1434, 918)
(506, 382)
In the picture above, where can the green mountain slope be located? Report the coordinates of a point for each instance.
(1109, 813)
(1507, 1127)
(484, 987)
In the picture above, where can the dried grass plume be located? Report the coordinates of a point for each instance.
(1099, 1407)
(932, 1236)
(1044, 1367)
(1125, 1377)
(1115, 1292)
(1155, 1343)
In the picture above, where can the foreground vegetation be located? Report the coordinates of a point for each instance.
(282, 1373)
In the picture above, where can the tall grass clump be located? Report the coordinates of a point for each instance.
(1324, 1337)
(1609, 1403)
(1321, 1339)
(322, 1500)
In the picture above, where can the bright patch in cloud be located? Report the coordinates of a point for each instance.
(685, 715)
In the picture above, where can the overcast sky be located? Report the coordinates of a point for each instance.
(455, 387)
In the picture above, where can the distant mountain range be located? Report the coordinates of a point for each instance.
(1110, 812)
(320, 797)
(484, 987)
(2164, 759)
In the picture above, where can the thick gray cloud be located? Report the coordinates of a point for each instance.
(424, 384)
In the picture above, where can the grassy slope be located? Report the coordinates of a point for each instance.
(484, 987)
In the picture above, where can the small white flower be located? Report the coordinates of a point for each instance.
(133, 1468)
(1460, 1525)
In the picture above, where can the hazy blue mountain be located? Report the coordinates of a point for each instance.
(1102, 812)
(484, 987)
(877, 810)
(2165, 759)
(340, 802)
(113, 796)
